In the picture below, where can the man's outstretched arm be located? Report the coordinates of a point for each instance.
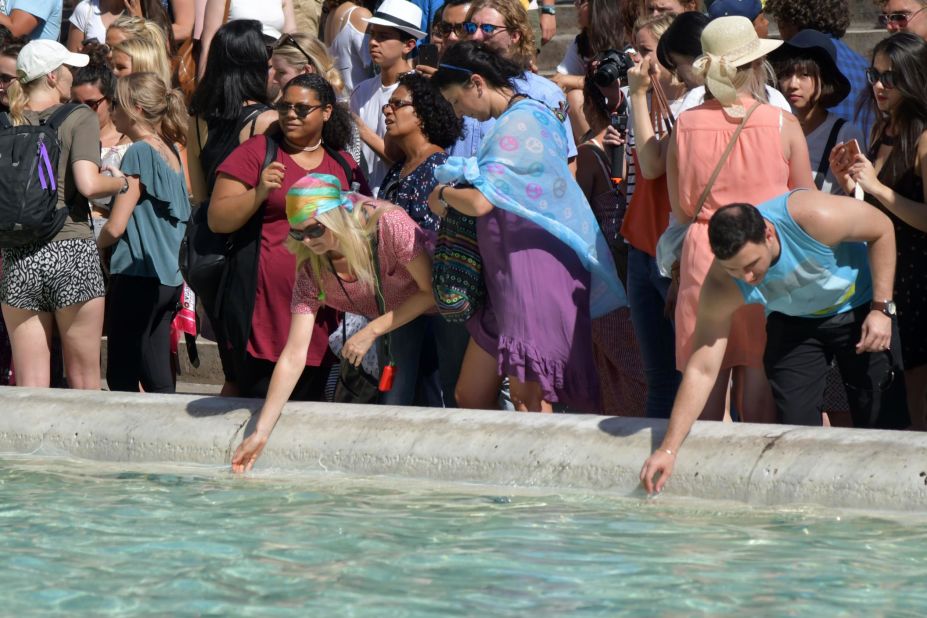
(720, 298)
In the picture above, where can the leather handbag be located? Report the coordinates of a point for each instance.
(457, 268)
(669, 247)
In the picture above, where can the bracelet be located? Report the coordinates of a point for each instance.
(667, 451)
(125, 185)
(442, 200)
(548, 10)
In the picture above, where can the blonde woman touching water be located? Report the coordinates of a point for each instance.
(331, 234)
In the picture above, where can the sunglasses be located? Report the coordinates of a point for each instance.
(288, 39)
(312, 232)
(887, 78)
(445, 28)
(6, 79)
(470, 28)
(900, 20)
(283, 108)
(395, 104)
(91, 104)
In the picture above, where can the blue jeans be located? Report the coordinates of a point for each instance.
(655, 334)
(427, 353)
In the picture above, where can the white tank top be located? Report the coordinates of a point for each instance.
(270, 14)
(352, 57)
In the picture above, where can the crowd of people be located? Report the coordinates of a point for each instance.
(689, 219)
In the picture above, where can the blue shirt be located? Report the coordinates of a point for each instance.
(853, 66)
(48, 12)
(809, 279)
(152, 238)
(531, 84)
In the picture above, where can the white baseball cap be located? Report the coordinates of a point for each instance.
(42, 56)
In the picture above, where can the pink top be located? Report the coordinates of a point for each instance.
(400, 241)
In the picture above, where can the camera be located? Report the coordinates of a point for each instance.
(613, 66)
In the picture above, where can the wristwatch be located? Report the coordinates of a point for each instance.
(548, 9)
(885, 306)
(443, 201)
(125, 185)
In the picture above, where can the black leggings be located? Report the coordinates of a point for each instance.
(139, 311)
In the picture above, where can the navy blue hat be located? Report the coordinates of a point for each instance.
(742, 8)
(820, 47)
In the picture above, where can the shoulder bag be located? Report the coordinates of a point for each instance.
(669, 247)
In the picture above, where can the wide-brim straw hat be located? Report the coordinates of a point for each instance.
(729, 43)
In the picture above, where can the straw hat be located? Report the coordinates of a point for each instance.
(399, 14)
(728, 43)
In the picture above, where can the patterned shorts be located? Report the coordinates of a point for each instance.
(52, 276)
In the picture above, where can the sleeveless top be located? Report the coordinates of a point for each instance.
(809, 279)
(350, 53)
(222, 139)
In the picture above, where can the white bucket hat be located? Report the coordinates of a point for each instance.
(42, 56)
(728, 43)
(401, 15)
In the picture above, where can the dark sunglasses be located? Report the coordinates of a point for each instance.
(311, 233)
(470, 28)
(288, 39)
(898, 19)
(6, 79)
(395, 104)
(887, 78)
(91, 104)
(283, 108)
(445, 28)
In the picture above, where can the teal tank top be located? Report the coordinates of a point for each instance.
(810, 279)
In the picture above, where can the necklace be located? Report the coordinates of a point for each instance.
(302, 148)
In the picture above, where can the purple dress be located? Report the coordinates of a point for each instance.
(536, 318)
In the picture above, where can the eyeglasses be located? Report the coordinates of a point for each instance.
(312, 232)
(445, 28)
(302, 110)
(91, 104)
(288, 39)
(470, 28)
(887, 78)
(6, 79)
(900, 20)
(395, 104)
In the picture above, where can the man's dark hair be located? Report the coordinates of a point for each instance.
(827, 16)
(732, 227)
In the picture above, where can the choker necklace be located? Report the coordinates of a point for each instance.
(303, 149)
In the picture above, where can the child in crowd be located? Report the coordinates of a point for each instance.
(393, 33)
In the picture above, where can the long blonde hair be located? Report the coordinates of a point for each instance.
(319, 58)
(19, 94)
(146, 58)
(161, 107)
(353, 229)
(141, 28)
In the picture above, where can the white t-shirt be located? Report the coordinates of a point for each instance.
(367, 101)
(572, 63)
(817, 142)
(86, 18)
(696, 97)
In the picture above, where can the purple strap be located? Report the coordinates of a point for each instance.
(46, 170)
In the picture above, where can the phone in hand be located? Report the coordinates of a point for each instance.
(852, 147)
(428, 55)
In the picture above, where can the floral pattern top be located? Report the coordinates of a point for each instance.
(411, 192)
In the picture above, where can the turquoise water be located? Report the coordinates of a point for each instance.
(90, 539)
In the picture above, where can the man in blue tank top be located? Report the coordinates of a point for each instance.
(824, 267)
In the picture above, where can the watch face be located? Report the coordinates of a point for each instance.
(890, 307)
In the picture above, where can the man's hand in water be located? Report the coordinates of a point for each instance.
(660, 462)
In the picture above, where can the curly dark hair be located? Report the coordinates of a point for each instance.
(336, 132)
(440, 124)
(828, 16)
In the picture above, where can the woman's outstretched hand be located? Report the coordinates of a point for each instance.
(248, 452)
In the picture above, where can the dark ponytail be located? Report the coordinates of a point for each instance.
(468, 58)
(336, 132)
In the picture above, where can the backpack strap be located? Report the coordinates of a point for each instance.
(825, 158)
(270, 154)
(61, 114)
(334, 154)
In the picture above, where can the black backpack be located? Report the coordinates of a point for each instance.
(28, 180)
